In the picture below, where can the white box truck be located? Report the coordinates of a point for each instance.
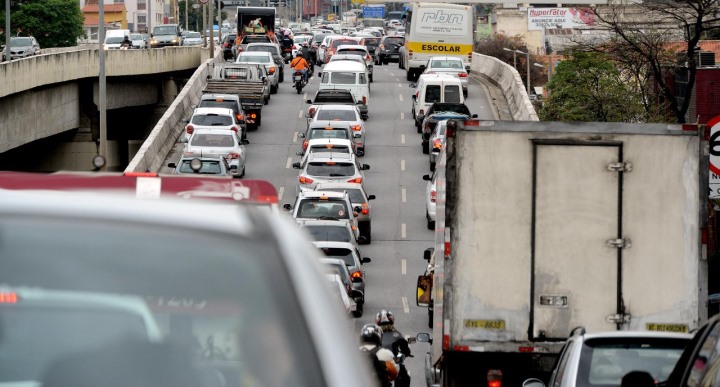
(543, 227)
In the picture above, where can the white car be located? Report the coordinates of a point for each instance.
(323, 46)
(320, 145)
(138, 41)
(266, 59)
(211, 117)
(449, 65)
(192, 38)
(344, 113)
(341, 291)
(219, 142)
(430, 200)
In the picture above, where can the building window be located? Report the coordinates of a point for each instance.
(141, 19)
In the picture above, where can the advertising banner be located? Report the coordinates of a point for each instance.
(556, 18)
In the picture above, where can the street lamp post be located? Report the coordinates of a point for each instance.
(527, 65)
(102, 84)
(514, 56)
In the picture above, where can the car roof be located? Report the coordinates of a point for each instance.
(322, 124)
(213, 110)
(211, 130)
(329, 156)
(636, 334)
(344, 65)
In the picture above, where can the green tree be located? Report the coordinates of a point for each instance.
(54, 23)
(589, 87)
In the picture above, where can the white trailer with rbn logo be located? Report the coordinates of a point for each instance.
(545, 226)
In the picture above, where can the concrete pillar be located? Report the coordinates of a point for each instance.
(169, 91)
(134, 147)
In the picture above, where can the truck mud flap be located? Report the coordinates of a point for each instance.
(576, 264)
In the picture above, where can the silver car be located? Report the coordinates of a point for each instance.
(192, 38)
(335, 130)
(358, 198)
(329, 230)
(350, 255)
(218, 142)
(217, 166)
(266, 59)
(324, 206)
(236, 293)
(430, 200)
(344, 113)
(23, 47)
(329, 167)
(449, 65)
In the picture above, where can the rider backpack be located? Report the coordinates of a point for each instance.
(379, 366)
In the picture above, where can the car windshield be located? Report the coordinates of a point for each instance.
(194, 35)
(114, 40)
(336, 115)
(212, 140)
(338, 233)
(605, 361)
(20, 42)
(396, 41)
(253, 59)
(222, 311)
(340, 253)
(446, 64)
(136, 37)
(272, 50)
(331, 169)
(325, 133)
(212, 120)
(165, 30)
(329, 148)
(209, 167)
(371, 42)
(339, 42)
(214, 103)
(356, 195)
(255, 39)
(316, 208)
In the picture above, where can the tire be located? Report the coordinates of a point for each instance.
(370, 77)
(298, 87)
(426, 147)
(359, 311)
(432, 167)
(243, 172)
(409, 75)
(273, 89)
(366, 231)
(430, 223)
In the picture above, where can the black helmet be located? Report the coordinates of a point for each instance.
(371, 333)
(384, 317)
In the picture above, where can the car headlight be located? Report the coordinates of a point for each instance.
(174, 40)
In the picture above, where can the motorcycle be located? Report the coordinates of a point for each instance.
(299, 81)
(287, 54)
(403, 378)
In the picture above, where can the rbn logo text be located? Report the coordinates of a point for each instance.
(442, 17)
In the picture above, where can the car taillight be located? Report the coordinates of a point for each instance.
(357, 128)
(421, 112)
(233, 156)
(305, 180)
(234, 128)
(367, 57)
(239, 117)
(311, 111)
(365, 209)
(189, 129)
(494, 378)
(356, 180)
(305, 144)
(364, 100)
(357, 274)
(437, 143)
(433, 196)
(462, 75)
(253, 115)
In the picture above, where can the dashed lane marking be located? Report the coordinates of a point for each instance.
(403, 195)
(289, 163)
(280, 193)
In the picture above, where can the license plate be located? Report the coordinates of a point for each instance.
(655, 327)
(394, 55)
(498, 325)
(297, 78)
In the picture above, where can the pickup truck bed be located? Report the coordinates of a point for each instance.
(246, 82)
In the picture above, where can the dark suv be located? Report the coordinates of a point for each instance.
(388, 50)
(440, 112)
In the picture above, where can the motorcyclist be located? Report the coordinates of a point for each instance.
(393, 340)
(300, 64)
(305, 50)
(127, 43)
(384, 364)
(286, 42)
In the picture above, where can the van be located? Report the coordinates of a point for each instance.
(114, 38)
(348, 75)
(165, 35)
(433, 88)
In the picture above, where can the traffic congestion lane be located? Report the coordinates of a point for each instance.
(397, 164)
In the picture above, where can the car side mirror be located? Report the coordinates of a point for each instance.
(467, 68)
(426, 177)
(413, 85)
(371, 197)
(411, 339)
(533, 383)
(428, 253)
(365, 259)
(422, 67)
(365, 167)
(309, 102)
(299, 153)
(287, 207)
(296, 166)
(361, 239)
(424, 338)
(186, 121)
(301, 135)
(172, 165)
(474, 116)
(357, 135)
(244, 141)
(414, 97)
(364, 117)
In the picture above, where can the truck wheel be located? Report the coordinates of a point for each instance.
(273, 89)
(378, 62)
(409, 75)
(426, 146)
(359, 311)
(430, 223)
(267, 100)
(370, 77)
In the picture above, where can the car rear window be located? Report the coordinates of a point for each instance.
(338, 233)
(336, 115)
(339, 42)
(356, 195)
(213, 103)
(604, 361)
(209, 167)
(398, 41)
(432, 93)
(212, 120)
(329, 148)
(352, 51)
(324, 133)
(339, 253)
(446, 64)
(317, 208)
(371, 42)
(270, 49)
(213, 140)
(331, 169)
(339, 78)
(452, 94)
(255, 39)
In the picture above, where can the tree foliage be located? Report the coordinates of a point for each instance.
(495, 45)
(54, 23)
(639, 37)
(589, 87)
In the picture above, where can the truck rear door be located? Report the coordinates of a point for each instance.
(577, 205)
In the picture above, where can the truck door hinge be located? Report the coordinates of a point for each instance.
(619, 167)
(618, 319)
(618, 243)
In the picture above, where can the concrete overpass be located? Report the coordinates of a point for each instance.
(57, 92)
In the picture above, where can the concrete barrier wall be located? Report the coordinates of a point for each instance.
(163, 137)
(508, 79)
(24, 74)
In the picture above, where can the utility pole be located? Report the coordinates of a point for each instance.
(6, 52)
(102, 85)
(186, 15)
(212, 28)
(148, 20)
(204, 29)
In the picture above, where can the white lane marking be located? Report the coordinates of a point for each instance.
(403, 230)
(280, 193)
(406, 307)
(400, 96)
(402, 138)
(399, 85)
(300, 114)
(403, 195)
(397, 79)
(289, 163)
(402, 116)
(305, 97)
(294, 136)
(402, 165)
(403, 266)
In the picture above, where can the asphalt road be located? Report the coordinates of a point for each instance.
(397, 164)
